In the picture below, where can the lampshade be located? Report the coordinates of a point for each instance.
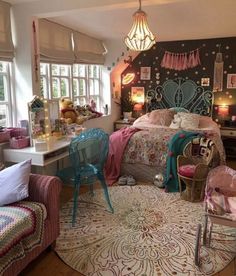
(223, 110)
(140, 38)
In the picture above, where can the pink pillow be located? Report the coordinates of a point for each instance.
(162, 117)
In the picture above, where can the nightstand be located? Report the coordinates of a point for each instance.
(121, 123)
(228, 135)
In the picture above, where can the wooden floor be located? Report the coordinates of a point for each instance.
(49, 264)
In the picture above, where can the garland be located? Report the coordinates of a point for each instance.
(181, 61)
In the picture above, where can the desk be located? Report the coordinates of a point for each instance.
(228, 135)
(57, 150)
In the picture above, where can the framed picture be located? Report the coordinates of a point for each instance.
(205, 81)
(145, 73)
(137, 94)
(231, 81)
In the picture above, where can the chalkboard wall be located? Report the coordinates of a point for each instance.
(208, 48)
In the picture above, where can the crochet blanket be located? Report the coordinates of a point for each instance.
(21, 230)
(175, 147)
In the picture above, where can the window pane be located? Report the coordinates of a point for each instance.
(64, 87)
(81, 70)
(3, 115)
(75, 87)
(64, 70)
(95, 71)
(43, 87)
(82, 100)
(96, 87)
(75, 70)
(82, 87)
(3, 66)
(3, 86)
(55, 88)
(91, 87)
(55, 69)
(90, 71)
(43, 68)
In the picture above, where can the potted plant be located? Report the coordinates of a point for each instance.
(127, 106)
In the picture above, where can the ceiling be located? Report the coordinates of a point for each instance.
(168, 19)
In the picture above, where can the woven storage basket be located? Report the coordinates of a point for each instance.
(19, 142)
(4, 136)
(17, 131)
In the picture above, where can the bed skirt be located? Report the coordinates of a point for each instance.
(140, 172)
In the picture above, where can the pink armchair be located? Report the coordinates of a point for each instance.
(46, 190)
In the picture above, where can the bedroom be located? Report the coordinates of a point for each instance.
(171, 21)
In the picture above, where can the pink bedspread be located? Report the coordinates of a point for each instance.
(117, 143)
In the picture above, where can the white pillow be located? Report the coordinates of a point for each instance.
(14, 182)
(176, 122)
(189, 120)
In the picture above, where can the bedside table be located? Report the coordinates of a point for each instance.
(228, 136)
(121, 123)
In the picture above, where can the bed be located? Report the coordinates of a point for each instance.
(146, 152)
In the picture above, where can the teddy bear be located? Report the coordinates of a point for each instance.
(67, 110)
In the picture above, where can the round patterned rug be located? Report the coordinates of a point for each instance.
(150, 233)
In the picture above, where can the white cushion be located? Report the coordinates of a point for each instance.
(185, 120)
(189, 120)
(176, 122)
(14, 182)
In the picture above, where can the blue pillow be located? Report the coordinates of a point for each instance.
(179, 109)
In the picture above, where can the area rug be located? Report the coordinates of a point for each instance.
(151, 233)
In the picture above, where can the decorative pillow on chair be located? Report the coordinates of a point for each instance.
(162, 117)
(14, 182)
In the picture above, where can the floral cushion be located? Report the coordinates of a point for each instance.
(187, 170)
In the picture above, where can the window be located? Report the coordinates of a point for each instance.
(5, 95)
(87, 84)
(80, 82)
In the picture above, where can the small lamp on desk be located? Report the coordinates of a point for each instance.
(223, 112)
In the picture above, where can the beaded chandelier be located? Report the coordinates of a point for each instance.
(140, 38)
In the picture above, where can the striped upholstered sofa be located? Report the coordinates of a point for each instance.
(33, 224)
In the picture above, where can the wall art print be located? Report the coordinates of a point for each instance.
(231, 81)
(145, 73)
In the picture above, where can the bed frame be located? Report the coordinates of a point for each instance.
(180, 93)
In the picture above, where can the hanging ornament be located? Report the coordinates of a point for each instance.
(218, 72)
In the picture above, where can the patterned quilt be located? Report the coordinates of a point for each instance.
(149, 146)
(21, 230)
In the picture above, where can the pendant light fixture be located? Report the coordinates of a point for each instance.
(140, 38)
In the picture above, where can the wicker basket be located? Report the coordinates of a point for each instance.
(17, 131)
(4, 136)
(19, 142)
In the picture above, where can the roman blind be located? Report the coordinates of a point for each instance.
(55, 43)
(88, 50)
(6, 44)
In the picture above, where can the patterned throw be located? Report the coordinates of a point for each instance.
(151, 233)
(21, 230)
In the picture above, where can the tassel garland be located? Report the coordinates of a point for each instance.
(181, 61)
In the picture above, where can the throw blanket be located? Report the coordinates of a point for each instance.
(175, 148)
(21, 230)
(117, 143)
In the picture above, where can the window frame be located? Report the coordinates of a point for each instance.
(7, 75)
(48, 77)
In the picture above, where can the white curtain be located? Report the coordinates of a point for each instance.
(88, 50)
(55, 43)
(6, 45)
